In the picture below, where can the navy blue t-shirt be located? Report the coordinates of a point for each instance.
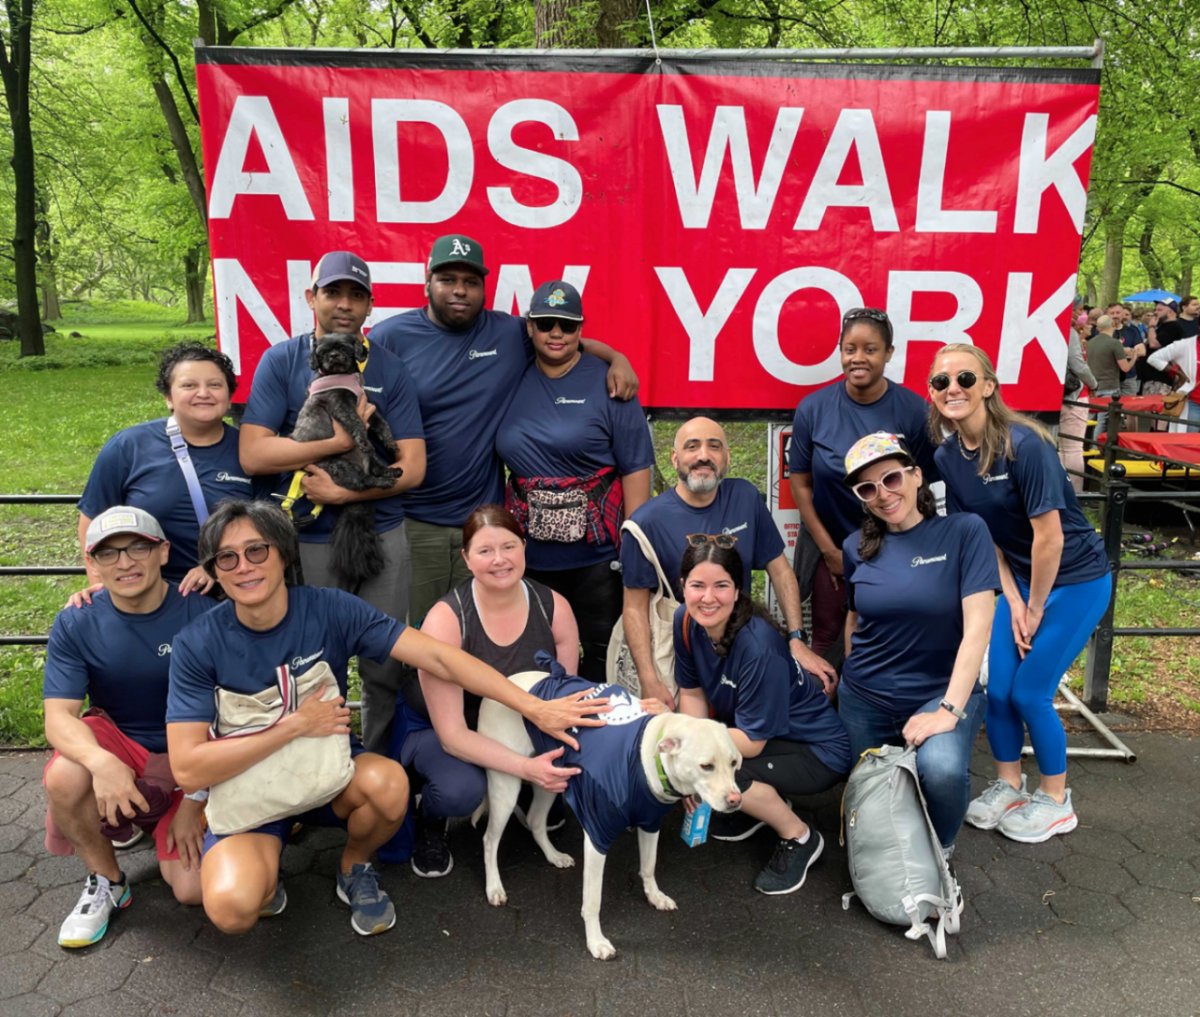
(668, 520)
(909, 603)
(465, 382)
(1129, 336)
(828, 423)
(137, 467)
(761, 689)
(120, 662)
(281, 388)
(569, 427)
(320, 624)
(611, 794)
(1015, 491)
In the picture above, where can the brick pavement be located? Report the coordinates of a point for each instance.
(1102, 923)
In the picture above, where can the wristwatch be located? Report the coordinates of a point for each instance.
(945, 704)
(798, 634)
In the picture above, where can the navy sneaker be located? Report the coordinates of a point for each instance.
(789, 864)
(371, 908)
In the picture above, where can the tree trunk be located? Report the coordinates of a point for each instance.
(14, 69)
(1089, 294)
(183, 147)
(555, 23)
(1151, 262)
(194, 268)
(1114, 260)
(1185, 280)
(50, 308)
(616, 28)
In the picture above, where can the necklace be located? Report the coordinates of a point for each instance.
(971, 454)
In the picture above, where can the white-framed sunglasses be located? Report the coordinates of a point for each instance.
(892, 481)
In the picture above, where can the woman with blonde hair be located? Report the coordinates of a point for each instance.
(1056, 580)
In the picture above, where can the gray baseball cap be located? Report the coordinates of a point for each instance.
(122, 519)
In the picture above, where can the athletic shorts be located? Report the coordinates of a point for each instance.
(135, 756)
(792, 768)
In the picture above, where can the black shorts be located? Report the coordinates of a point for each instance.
(791, 768)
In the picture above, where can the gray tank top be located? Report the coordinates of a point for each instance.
(508, 660)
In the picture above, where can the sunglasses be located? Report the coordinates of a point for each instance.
(255, 554)
(892, 481)
(871, 313)
(137, 551)
(724, 540)
(941, 382)
(565, 325)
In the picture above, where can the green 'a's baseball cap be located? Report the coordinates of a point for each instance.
(455, 249)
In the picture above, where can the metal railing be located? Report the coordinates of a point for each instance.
(37, 570)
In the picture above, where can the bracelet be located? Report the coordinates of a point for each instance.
(198, 796)
(945, 704)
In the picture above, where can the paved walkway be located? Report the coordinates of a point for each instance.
(1103, 923)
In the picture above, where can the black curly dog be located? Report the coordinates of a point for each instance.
(356, 553)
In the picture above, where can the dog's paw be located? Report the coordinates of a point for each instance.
(497, 896)
(560, 860)
(660, 900)
(602, 949)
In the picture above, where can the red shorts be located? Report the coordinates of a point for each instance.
(133, 755)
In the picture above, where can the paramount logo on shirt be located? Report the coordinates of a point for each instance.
(164, 649)
(998, 476)
(725, 681)
(476, 354)
(367, 388)
(927, 561)
(561, 401)
(301, 661)
(224, 477)
(730, 531)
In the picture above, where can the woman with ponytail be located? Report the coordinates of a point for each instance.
(729, 657)
(1056, 580)
(921, 590)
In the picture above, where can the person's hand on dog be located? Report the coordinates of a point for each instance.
(84, 596)
(556, 716)
(343, 437)
(542, 771)
(365, 410)
(196, 579)
(320, 489)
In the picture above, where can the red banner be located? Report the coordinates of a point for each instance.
(718, 217)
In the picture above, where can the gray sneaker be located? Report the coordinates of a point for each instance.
(276, 904)
(998, 800)
(371, 908)
(1039, 819)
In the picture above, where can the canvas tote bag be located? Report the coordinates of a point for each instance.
(620, 668)
(305, 774)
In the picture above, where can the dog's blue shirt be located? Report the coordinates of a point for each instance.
(611, 793)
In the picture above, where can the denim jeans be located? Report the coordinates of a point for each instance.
(941, 760)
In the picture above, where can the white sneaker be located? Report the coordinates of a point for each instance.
(1039, 819)
(989, 808)
(88, 922)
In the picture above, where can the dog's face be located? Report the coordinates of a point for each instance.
(335, 353)
(703, 761)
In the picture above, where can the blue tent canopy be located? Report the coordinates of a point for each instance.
(1149, 296)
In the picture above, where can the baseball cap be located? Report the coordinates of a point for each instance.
(871, 449)
(456, 249)
(338, 265)
(556, 299)
(1168, 303)
(122, 519)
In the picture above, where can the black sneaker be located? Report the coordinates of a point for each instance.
(431, 856)
(789, 865)
(735, 825)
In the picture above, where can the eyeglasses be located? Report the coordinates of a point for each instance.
(892, 481)
(941, 382)
(137, 551)
(567, 326)
(724, 540)
(255, 554)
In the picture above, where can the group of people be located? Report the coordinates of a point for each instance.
(523, 450)
(1114, 352)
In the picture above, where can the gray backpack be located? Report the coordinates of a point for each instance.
(896, 861)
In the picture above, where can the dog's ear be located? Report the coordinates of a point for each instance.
(314, 361)
(669, 746)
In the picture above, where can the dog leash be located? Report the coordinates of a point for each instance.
(296, 488)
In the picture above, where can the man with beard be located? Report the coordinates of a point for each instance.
(704, 502)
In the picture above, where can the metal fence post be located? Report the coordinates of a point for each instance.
(1099, 647)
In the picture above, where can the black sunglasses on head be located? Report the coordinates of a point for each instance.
(941, 382)
(871, 314)
(565, 325)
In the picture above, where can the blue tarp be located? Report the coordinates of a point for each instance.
(1147, 296)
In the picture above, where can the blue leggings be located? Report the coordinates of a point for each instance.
(1020, 693)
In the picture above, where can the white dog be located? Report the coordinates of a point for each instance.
(635, 770)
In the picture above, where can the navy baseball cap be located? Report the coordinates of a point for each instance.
(1169, 303)
(338, 265)
(556, 299)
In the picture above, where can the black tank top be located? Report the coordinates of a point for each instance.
(508, 660)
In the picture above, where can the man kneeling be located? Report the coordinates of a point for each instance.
(110, 771)
(248, 546)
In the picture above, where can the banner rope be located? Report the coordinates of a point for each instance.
(653, 41)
